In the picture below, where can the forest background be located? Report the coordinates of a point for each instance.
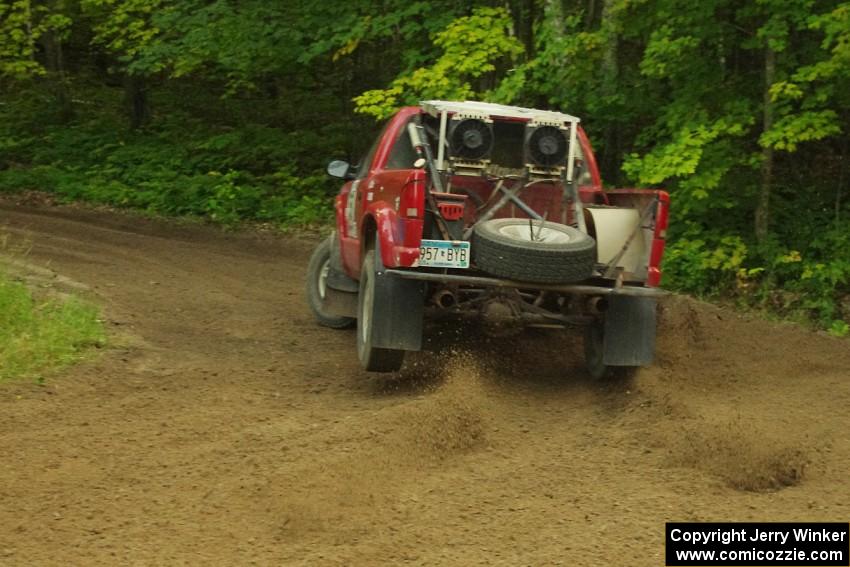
(230, 109)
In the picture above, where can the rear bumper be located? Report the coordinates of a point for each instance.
(481, 281)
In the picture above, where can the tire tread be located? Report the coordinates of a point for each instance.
(571, 262)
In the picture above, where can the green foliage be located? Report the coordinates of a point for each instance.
(705, 264)
(839, 329)
(472, 46)
(667, 55)
(41, 335)
(683, 156)
(223, 174)
(230, 40)
(22, 24)
(806, 126)
(808, 282)
(124, 27)
(810, 99)
(246, 44)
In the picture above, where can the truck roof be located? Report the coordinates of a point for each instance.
(436, 107)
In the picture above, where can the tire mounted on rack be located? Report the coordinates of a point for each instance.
(547, 253)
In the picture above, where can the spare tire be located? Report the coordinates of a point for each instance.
(556, 253)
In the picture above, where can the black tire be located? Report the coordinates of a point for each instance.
(371, 358)
(503, 247)
(317, 273)
(593, 348)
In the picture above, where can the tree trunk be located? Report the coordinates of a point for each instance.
(30, 39)
(136, 98)
(762, 217)
(610, 71)
(590, 16)
(842, 177)
(56, 76)
(523, 13)
(529, 17)
(553, 15)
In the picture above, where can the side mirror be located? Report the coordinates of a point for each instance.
(340, 169)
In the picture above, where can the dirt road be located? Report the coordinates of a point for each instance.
(224, 427)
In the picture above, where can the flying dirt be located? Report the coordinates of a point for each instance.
(223, 426)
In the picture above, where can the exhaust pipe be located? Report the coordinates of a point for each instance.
(597, 305)
(445, 299)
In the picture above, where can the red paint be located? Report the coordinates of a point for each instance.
(451, 206)
(654, 270)
(589, 158)
(412, 202)
(663, 214)
(659, 234)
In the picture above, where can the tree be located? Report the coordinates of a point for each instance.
(124, 28)
(472, 48)
(22, 24)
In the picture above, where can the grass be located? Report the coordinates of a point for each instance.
(39, 336)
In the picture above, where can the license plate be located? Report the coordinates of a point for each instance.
(444, 254)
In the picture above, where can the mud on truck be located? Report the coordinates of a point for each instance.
(495, 213)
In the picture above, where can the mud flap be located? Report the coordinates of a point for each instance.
(337, 278)
(399, 310)
(339, 303)
(341, 291)
(629, 338)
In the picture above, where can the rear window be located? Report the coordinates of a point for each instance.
(366, 163)
(402, 155)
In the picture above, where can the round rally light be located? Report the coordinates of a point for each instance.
(548, 146)
(471, 139)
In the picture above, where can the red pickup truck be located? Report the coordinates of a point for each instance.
(495, 213)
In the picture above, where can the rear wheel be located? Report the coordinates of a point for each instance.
(317, 280)
(594, 342)
(372, 358)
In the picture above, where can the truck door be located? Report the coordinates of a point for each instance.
(354, 203)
